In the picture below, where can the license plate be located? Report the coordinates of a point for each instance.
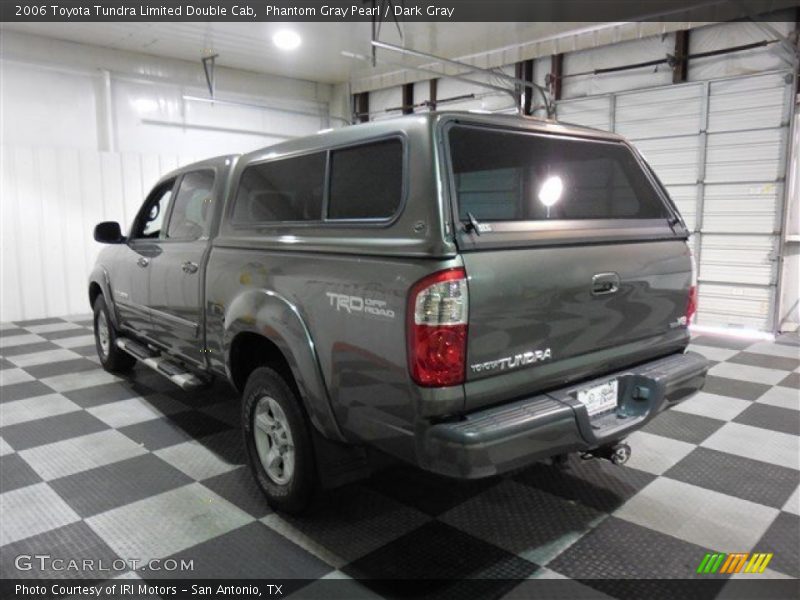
(599, 398)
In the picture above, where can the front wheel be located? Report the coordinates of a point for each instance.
(105, 340)
(278, 441)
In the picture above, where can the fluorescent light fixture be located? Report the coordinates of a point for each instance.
(746, 334)
(286, 39)
(551, 190)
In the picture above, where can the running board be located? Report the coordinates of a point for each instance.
(175, 373)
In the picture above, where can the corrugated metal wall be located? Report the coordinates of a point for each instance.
(720, 148)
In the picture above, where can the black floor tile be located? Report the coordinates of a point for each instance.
(239, 488)
(109, 392)
(766, 361)
(792, 380)
(4, 364)
(51, 429)
(12, 331)
(425, 491)
(734, 388)
(770, 417)
(62, 367)
(594, 483)
(65, 333)
(253, 551)
(21, 349)
(33, 322)
(16, 473)
(619, 549)
(682, 426)
(101, 489)
(26, 389)
(439, 561)
(737, 476)
(90, 350)
(782, 539)
(75, 541)
(173, 429)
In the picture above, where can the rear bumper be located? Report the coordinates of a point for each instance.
(503, 438)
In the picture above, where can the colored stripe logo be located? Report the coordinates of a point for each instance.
(736, 562)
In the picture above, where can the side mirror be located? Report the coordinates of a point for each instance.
(108, 232)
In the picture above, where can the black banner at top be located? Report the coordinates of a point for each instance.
(400, 10)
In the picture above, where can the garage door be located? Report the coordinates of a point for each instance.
(720, 148)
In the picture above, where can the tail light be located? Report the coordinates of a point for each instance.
(438, 312)
(691, 302)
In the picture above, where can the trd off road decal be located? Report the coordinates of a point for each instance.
(359, 305)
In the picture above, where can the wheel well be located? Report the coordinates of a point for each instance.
(94, 292)
(250, 351)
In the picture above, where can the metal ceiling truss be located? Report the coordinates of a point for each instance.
(466, 70)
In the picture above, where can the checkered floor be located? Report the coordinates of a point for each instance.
(95, 466)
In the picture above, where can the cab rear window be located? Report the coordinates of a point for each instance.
(516, 176)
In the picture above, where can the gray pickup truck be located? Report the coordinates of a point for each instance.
(467, 293)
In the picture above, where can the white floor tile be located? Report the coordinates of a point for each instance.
(713, 406)
(32, 510)
(713, 353)
(194, 459)
(50, 327)
(76, 341)
(30, 409)
(783, 397)
(76, 381)
(17, 340)
(134, 410)
(74, 455)
(167, 523)
(756, 443)
(774, 349)
(12, 376)
(703, 517)
(793, 503)
(41, 358)
(748, 373)
(5, 448)
(654, 453)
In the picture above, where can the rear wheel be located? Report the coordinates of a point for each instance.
(105, 340)
(278, 441)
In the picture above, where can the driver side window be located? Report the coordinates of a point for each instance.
(151, 220)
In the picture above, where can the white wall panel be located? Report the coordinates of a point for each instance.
(742, 208)
(669, 111)
(749, 102)
(617, 55)
(734, 306)
(380, 101)
(747, 259)
(725, 35)
(675, 159)
(51, 200)
(746, 156)
(589, 112)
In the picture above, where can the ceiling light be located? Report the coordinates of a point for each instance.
(286, 39)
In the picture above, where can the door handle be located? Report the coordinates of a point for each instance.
(143, 262)
(189, 267)
(605, 283)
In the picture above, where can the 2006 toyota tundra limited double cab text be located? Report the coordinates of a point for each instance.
(467, 293)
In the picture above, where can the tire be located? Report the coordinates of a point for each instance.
(270, 411)
(105, 340)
